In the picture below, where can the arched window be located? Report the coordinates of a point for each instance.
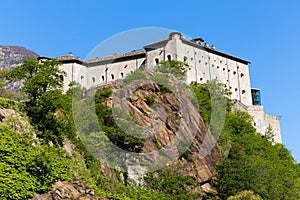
(93, 79)
(169, 57)
(112, 77)
(102, 77)
(122, 75)
(156, 61)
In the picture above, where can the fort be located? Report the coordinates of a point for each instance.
(205, 62)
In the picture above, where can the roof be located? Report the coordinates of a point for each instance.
(116, 57)
(196, 42)
(214, 51)
(157, 44)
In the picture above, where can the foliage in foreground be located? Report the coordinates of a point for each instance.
(26, 168)
(252, 162)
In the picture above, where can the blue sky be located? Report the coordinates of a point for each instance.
(265, 32)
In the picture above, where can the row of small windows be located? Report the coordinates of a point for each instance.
(236, 89)
(112, 76)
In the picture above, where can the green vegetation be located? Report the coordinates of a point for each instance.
(109, 126)
(252, 167)
(177, 68)
(25, 169)
(170, 183)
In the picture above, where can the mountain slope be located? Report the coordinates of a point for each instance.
(12, 56)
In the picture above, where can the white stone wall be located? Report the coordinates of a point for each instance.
(263, 120)
(274, 122)
(74, 72)
(204, 66)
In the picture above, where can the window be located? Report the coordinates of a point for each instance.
(234, 72)
(205, 63)
(192, 59)
(82, 77)
(223, 69)
(235, 89)
(185, 59)
(102, 77)
(156, 61)
(112, 76)
(93, 79)
(169, 57)
(243, 91)
(242, 74)
(201, 79)
(122, 75)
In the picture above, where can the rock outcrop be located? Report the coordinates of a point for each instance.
(168, 117)
(11, 57)
(75, 189)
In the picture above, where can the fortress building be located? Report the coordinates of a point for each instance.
(206, 63)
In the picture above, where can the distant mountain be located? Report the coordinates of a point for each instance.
(12, 56)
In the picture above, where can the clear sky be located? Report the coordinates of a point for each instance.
(265, 32)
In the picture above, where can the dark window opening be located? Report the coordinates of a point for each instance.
(243, 91)
(242, 74)
(122, 74)
(169, 57)
(93, 79)
(102, 78)
(185, 59)
(156, 61)
(112, 76)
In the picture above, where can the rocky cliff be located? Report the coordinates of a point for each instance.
(12, 56)
(169, 118)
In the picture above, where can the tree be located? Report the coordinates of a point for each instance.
(3, 91)
(253, 163)
(42, 84)
(39, 77)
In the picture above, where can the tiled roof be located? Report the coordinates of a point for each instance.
(116, 56)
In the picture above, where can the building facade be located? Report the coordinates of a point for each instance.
(205, 62)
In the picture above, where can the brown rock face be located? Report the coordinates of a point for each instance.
(76, 189)
(171, 118)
